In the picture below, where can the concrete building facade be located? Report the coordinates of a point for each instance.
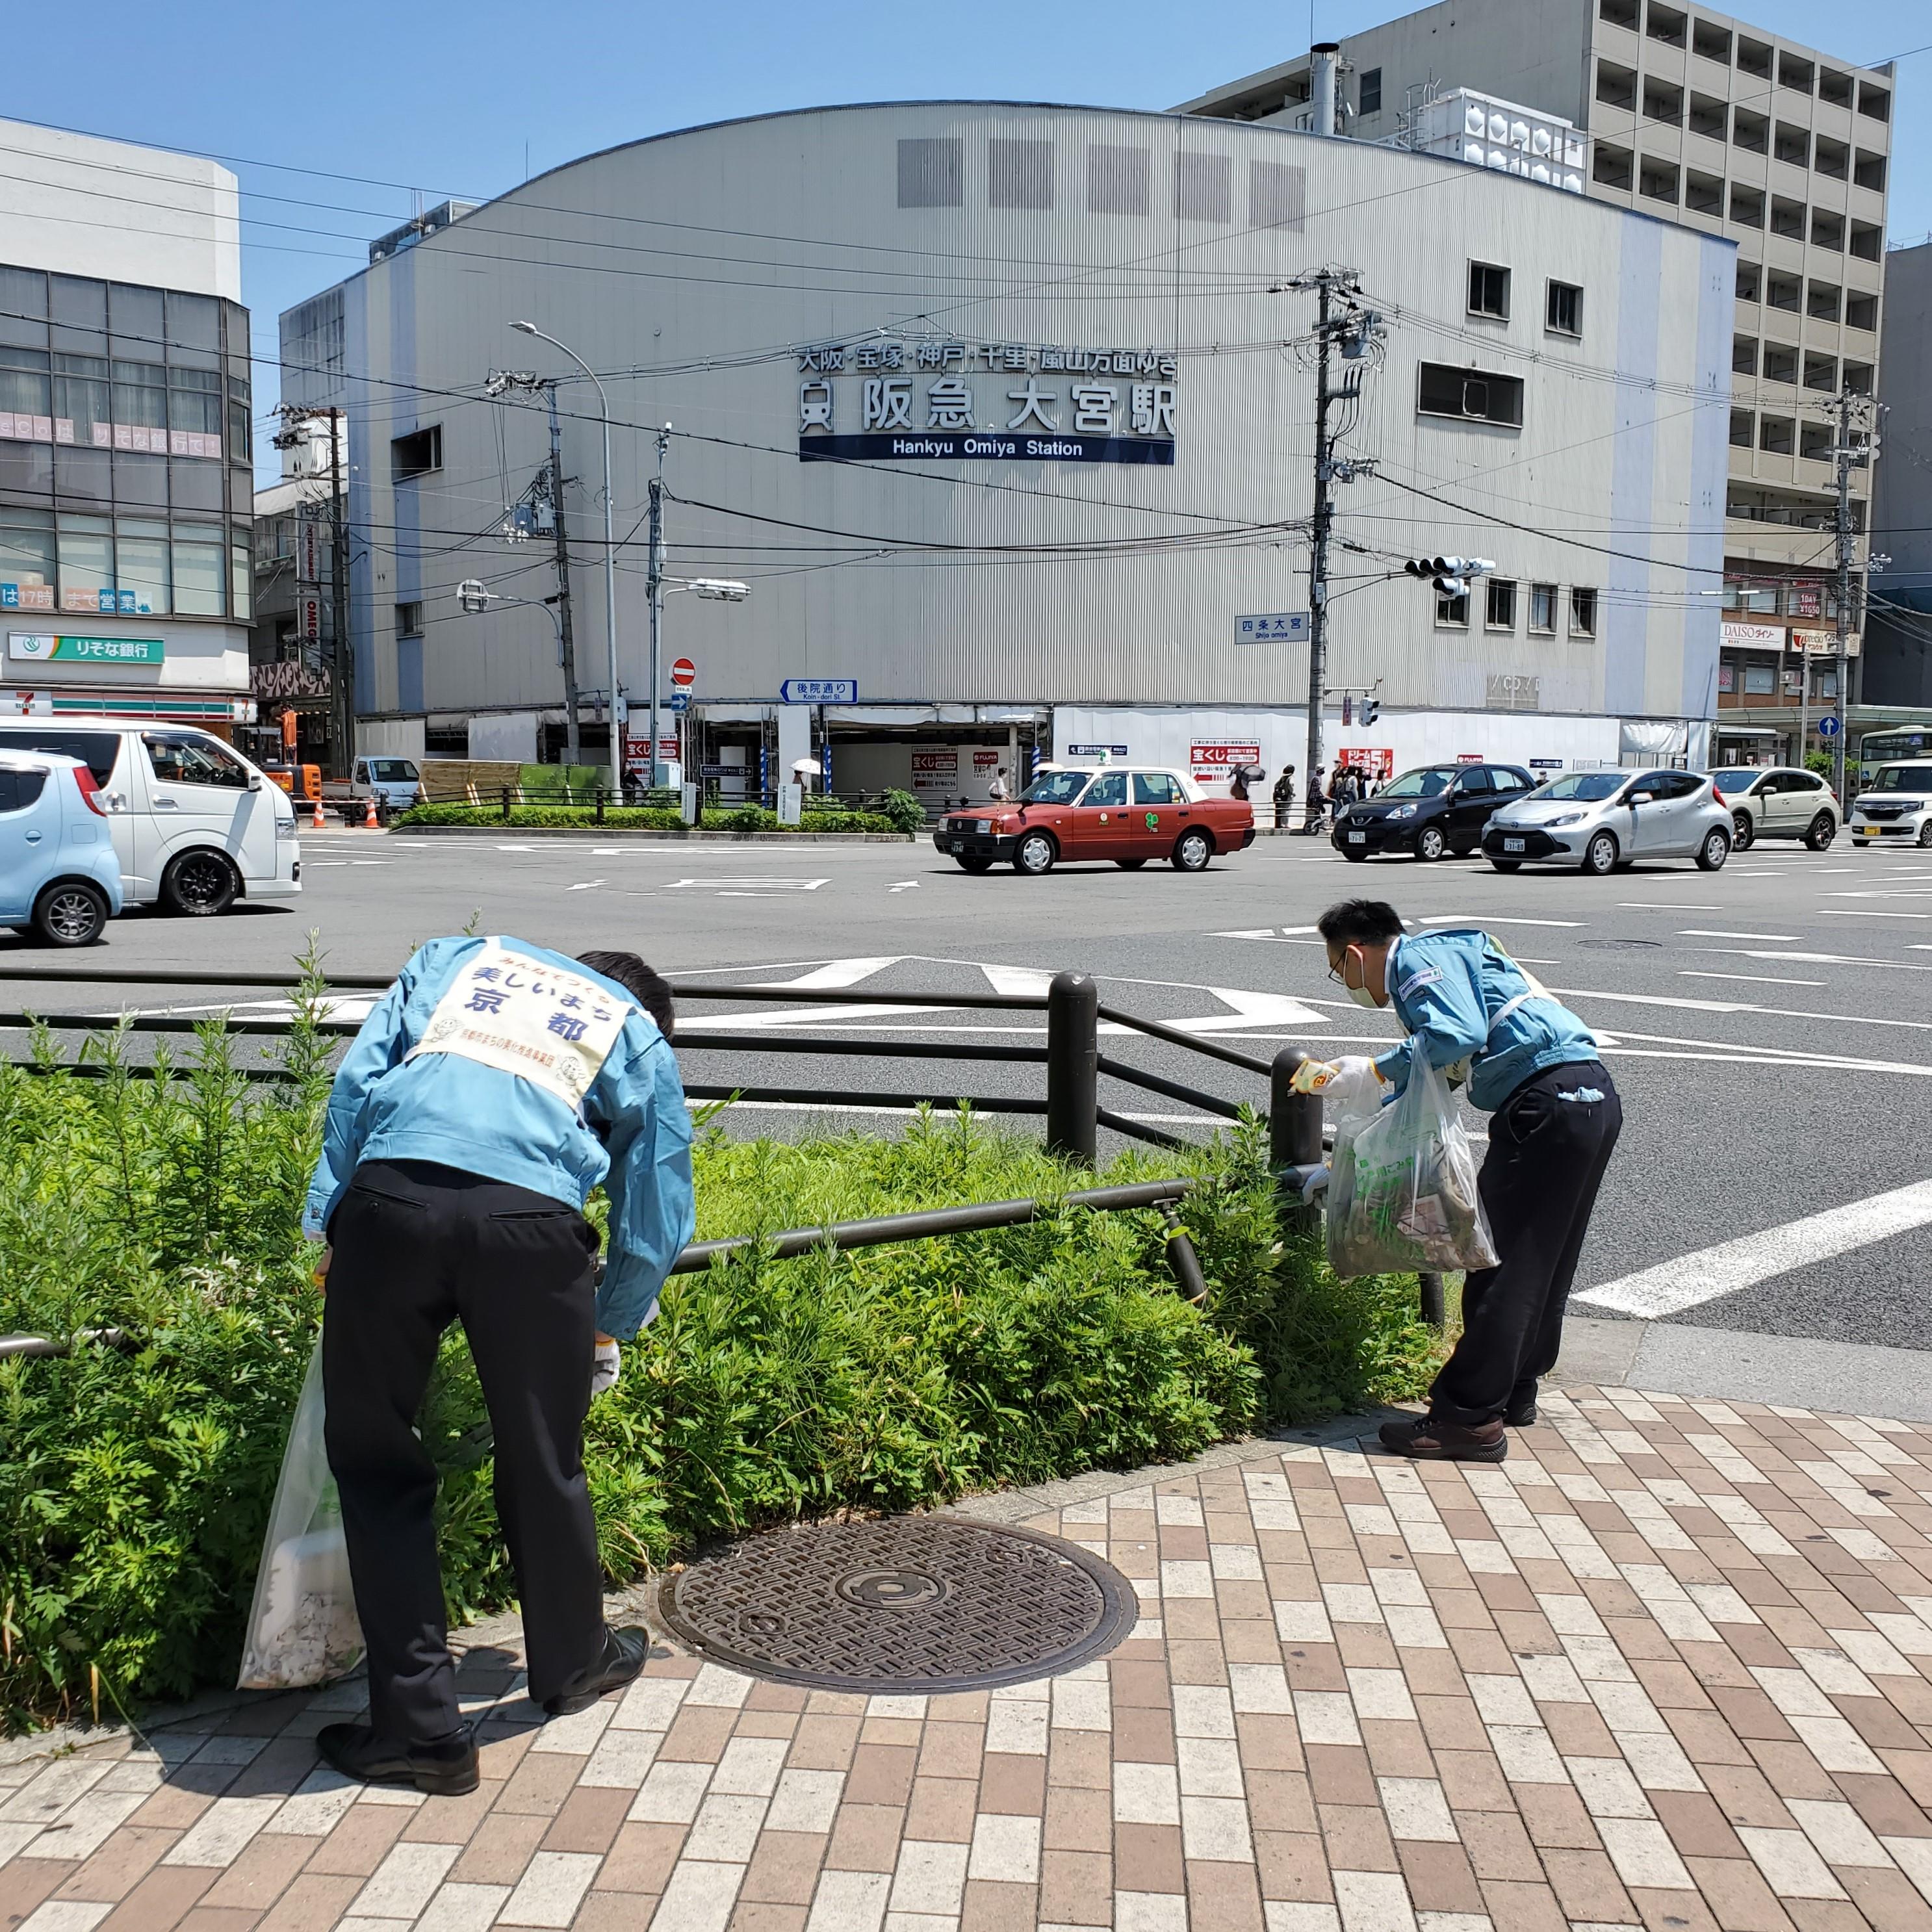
(1737, 132)
(126, 494)
(1898, 629)
(1004, 413)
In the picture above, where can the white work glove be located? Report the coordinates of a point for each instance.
(1317, 1182)
(1350, 1084)
(603, 1368)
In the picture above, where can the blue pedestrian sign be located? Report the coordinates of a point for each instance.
(680, 700)
(819, 691)
(1273, 627)
(1828, 727)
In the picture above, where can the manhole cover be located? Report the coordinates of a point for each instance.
(1618, 945)
(909, 1604)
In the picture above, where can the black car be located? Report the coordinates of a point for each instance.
(1430, 811)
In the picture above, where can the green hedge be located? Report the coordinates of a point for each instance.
(134, 1488)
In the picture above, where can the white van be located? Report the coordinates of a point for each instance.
(195, 826)
(1894, 806)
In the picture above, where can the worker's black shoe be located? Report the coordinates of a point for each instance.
(1430, 1439)
(446, 1768)
(1522, 1414)
(622, 1659)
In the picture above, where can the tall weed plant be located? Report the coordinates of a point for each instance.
(135, 1474)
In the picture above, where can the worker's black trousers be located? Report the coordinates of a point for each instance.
(1550, 1143)
(416, 1246)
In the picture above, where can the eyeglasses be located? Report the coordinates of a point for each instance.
(1335, 973)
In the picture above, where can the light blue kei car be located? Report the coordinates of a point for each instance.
(59, 877)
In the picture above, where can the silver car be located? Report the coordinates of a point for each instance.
(1600, 820)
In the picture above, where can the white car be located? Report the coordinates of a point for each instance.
(1896, 808)
(1777, 802)
(1600, 820)
(195, 826)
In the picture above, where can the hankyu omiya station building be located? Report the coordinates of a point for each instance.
(1004, 415)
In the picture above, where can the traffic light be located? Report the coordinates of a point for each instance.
(1451, 574)
(1371, 709)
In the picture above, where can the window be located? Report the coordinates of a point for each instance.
(1743, 356)
(1823, 300)
(1563, 312)
(419, 453)
(1610, 167)
(1471, 394)
(1582, 611)
(1748, 275)
(1708, 117)
(1109, 788)
(143, 566)
(1489, 290)
(1616, 86)
(1452, 612)
(1710, 40)
(18, 789)
(26, 559)
(1727, 675)
(1746, 207)
(1476, 778)
(1543, 606)
(1868, 241)
(1499, 604)
(1868, 171)
(1833, 87)
(1821, 372)
(1704, 194)
(1861, 312)
(1774, 435)
(1754, 58)
(1830, 158)
(86, 545)
(409, 619)
(1814, 441)
(1858, 380)
(1666, 24)
(1743, 429)
(1751, 131)
(1799, 75)
(201, 570)
(241, 582)
(1760, 681)
(1156, 788)
(1662, 102)
(195, 402)
(1780, 363)
(1787, 218)
(1371, 97)
(1617, 12)
(1874, 103)
(1828, 231)
(1784, 291)
(1792, 144)
(187, 757)
(1658, 180)
(97, 750)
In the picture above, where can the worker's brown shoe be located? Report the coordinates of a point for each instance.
(1430, 1439)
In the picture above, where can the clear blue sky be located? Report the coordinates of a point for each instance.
(450, 98)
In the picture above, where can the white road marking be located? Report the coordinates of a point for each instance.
(1745, 979)
(1705, 932)
(1667, 905)
(587, 885)
(1818, 958)
(1692, 1279)
(1740, 1006)
(833, 972)
(1250, 1010)
(1488, 919)
(906, 886)
(1024, 982)
(1859, 912)
(744, 885)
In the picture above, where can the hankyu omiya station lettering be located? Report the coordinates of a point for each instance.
(987, 402)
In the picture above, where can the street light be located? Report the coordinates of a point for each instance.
(476, 597)
(609, 553)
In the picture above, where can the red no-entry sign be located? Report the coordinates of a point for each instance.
(684, 674)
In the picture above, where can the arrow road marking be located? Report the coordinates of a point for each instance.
(1671, 1287)
(906, 886)
(587, 885)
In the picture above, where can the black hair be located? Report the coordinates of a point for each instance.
(1360, 923)
(651, 990)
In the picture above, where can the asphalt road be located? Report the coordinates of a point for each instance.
(1769, 1027)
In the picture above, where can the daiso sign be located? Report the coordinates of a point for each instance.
(1217, 759)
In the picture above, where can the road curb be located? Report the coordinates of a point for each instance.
(565, 834)
(1792, 1372)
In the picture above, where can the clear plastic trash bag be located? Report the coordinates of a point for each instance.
(302, 1627)
(1403, 1195)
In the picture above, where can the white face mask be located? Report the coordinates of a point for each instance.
(1361, 996)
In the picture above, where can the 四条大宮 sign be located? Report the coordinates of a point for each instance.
(909, 401)
(43, 647)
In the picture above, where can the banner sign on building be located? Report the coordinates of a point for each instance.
(1377, 761)
(42, 648)
(1754, 637)
(1218, 759)
(308, 617)
(910, 401)
(289, 678)
(935, 772)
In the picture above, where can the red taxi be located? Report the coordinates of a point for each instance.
(1128, 814)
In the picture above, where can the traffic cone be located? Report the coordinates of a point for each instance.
(370, 823)
(315, 818)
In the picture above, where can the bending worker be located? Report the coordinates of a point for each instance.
(1533, 1065)
(493, 1086)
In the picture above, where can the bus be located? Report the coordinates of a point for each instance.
(1891, 746)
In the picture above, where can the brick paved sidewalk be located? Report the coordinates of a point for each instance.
(1667, 1667)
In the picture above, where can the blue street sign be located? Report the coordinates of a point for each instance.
(680, 700)
(1828, 727)
(1274, 627)
(819, 691)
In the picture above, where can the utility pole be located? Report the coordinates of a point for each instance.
(566, 643)
(342, 684)
(1844, 406)
(654, 588)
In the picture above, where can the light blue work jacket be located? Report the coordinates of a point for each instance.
(1461, 997)
(632, 1131)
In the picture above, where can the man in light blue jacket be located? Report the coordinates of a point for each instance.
(1532, 1064)
(491, 1089)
